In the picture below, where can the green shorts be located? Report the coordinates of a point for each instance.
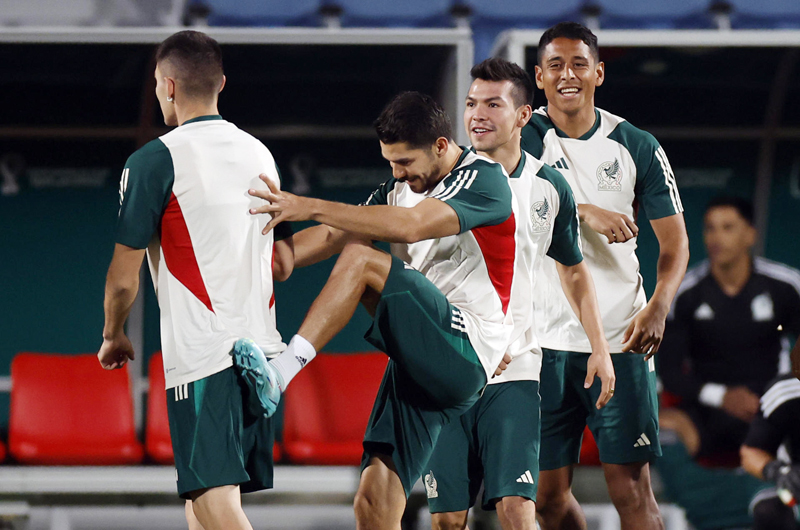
(216, 440)
(495, 443)
(626, 429)
(433, 376)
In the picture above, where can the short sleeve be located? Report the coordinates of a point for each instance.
(656, 188)
(479, 194)
(565, 246)
(763, 435)
(145, 189)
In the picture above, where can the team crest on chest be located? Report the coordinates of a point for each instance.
(541, 215)
(609, 176)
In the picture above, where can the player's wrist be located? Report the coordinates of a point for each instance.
(712, 395)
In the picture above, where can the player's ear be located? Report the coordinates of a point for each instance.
(524, 115)
(441, 146)
(222, 85)
(601, 73)
(537, 75)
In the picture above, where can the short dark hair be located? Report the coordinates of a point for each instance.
(197, 62)
(743, 206)
(498, 69)
(571, 31)
(415, 119)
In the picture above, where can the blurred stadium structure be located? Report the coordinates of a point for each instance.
(712, 79)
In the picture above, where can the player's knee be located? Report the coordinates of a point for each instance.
(772, 514)
(449, 521)
(367, 510)
(517, 513)
(552, 501)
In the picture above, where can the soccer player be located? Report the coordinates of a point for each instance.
(439, 301)
(182, 199)
(497, 441)
(611, 166)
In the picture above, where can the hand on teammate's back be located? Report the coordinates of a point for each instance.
(740, 403)
(617, 227)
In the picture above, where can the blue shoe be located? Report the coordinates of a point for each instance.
(263, 381)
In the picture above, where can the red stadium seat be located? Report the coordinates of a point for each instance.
(327, 408)
(157, 441)
(67, 410)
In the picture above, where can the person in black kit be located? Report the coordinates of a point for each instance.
(726, 330)
(723, 343)
(776, 424)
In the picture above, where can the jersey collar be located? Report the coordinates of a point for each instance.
(588, 134)
(204, 118)
(517, 173)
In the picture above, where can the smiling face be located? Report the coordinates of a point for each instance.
(420, 167)
(569, 75)
(491, 118)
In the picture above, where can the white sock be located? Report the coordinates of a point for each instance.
(299, 353)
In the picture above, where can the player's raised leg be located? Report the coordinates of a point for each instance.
(360, 269)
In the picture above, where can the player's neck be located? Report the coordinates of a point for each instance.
(450, 160)
(508, 156)
(573, 125)
(192, 110)
(733, 276)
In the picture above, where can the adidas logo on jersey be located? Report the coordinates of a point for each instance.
(642, 441)
(526, 477)
(560, 164)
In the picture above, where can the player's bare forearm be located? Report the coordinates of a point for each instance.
(578, 286)
(429, 219)
(754, 460)
(673, 257)
(283, 259)
(317, 243)
(122, 285)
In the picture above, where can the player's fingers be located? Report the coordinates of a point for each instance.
(267, 195)
(274, 222)
(264, 208)
(271, 185)
(631, 225)
(628, 339)
(624, 233)
(590, 373)
(611, 236)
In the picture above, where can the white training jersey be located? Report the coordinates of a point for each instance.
(475, 268)
(547, 226)
(617, 167)
(184, 198)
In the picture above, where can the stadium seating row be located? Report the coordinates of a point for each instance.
(611, 14)
(66, 410)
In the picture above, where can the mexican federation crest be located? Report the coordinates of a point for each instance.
(609, 176)
(541, 214)
(430, 486)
